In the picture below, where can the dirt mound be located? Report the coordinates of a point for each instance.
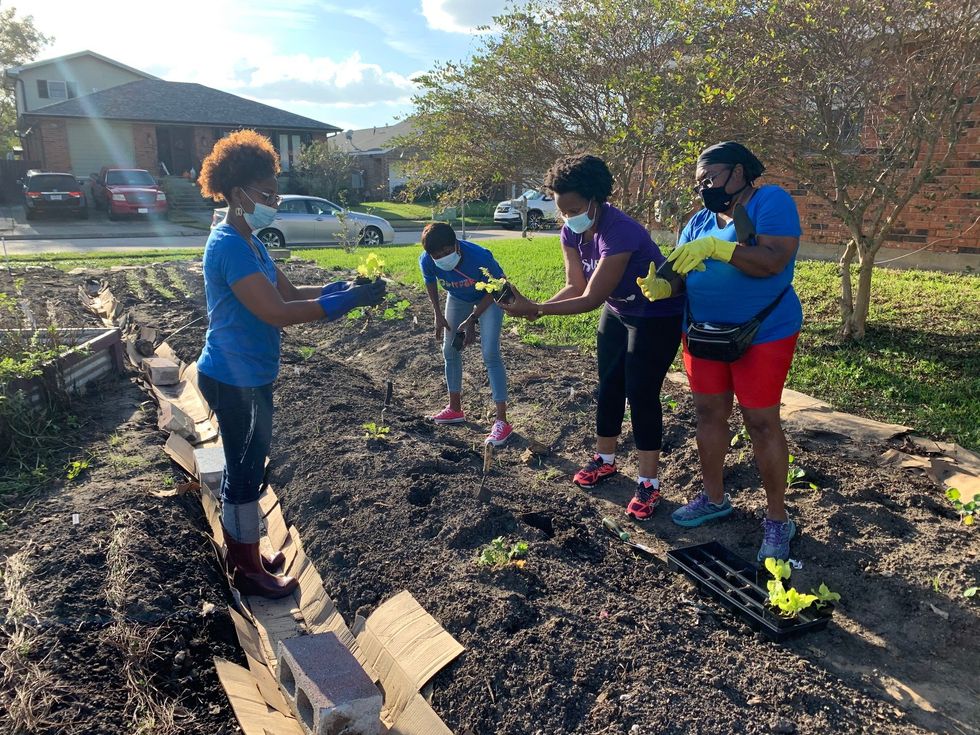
(585, 637)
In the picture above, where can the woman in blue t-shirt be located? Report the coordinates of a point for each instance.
(729, 283)
(458, 265)
(605, 251)
(249, 300)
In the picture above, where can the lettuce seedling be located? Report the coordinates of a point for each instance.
(498, 554)
(491, 285)
(778, 568)
(966, 510)
(825, 595)
(791, 603)
(372, 267)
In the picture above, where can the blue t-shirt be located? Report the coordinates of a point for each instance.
(239, 348)
(724, 294)
(461, 281)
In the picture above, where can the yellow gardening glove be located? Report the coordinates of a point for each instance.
(693, 254)
(652, 287)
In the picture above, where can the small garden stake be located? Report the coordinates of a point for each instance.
(483, 495)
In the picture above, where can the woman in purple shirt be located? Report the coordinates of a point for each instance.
(605, 250)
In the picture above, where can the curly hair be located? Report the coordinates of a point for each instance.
(240, 158)
(588, 176)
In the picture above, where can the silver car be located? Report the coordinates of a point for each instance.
(304, 220)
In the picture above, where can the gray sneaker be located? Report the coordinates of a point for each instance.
(776, 536)
(700, 511)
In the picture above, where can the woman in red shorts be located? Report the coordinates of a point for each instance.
(728, 283)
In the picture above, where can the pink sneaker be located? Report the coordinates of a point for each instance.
(448, 416)
(499, 434)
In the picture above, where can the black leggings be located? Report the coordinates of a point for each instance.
(635, 354)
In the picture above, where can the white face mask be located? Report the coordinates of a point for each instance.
(580, 222)
(448, 262)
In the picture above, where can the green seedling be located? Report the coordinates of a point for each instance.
(669, 402)
(970, 592)
(778, 568)
(791, 603)
(372, 267)
(966, 510)
(795, 475)
(825, 596)
(306, 352)
(375, 431)
(788, 602)
(742, 441)
(397, 310)
(491, 285)
(497, 554)
(76, 468)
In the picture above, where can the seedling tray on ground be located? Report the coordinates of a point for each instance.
(735, 583)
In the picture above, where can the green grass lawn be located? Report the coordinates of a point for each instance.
(919, 365)
(476, 212)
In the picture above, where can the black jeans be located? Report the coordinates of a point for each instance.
(245, 419)
(635, 354)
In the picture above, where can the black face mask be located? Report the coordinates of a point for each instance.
(716, 199)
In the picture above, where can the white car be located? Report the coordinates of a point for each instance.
(541, 211)
(304, 220)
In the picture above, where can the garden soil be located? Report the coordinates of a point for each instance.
(585, 637)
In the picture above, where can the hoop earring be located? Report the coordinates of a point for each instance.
(239, 211)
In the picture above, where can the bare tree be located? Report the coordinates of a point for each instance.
(863, 103)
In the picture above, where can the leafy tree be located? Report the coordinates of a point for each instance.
(602, 76)
(20, 42)
(324, 171)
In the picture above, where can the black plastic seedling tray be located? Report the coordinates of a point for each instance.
(735, 583)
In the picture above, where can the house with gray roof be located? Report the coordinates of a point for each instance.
(381, 157)
(83, 111)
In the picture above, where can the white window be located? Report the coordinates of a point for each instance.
(57, 90)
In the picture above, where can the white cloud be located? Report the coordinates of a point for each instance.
(461, 16)
(227, 47)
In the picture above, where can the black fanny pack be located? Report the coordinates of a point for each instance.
(725, 342)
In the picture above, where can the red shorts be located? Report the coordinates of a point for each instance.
(756, 378)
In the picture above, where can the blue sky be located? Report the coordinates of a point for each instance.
(348, 64)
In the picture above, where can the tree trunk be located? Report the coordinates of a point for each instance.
(846, 290)
(856, 316)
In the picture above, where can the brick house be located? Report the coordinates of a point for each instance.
(83, 111)
(380, 160)
(945, 215)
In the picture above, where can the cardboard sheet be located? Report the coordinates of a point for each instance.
(254, 715)
(801, 410)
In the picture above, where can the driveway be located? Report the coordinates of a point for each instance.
(15, 227)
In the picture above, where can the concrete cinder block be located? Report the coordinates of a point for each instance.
(210, 464)
(327, 689)
(161, 371)
(173, 419)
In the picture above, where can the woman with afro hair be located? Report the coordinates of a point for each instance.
(605, 252)
(249, 301)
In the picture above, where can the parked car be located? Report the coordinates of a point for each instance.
(312, 220)
(46, 192)
(128, 191)
(541, 211)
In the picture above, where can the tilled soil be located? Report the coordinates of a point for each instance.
(585, 637)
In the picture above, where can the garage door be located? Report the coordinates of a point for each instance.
(97, 143)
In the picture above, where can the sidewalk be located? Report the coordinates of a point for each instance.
(13, 226)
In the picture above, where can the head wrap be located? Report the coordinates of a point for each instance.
(733, 153)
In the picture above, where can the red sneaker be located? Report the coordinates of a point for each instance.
(594, 472)
(448, 416)
(499, 434)
(644, 502)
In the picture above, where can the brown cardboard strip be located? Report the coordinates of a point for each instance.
(418, 718)
(181, 452)
(254, 715)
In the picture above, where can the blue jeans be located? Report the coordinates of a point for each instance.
(245, 420)
(491, 322)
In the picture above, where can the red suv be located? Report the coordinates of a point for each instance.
(128, 191)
